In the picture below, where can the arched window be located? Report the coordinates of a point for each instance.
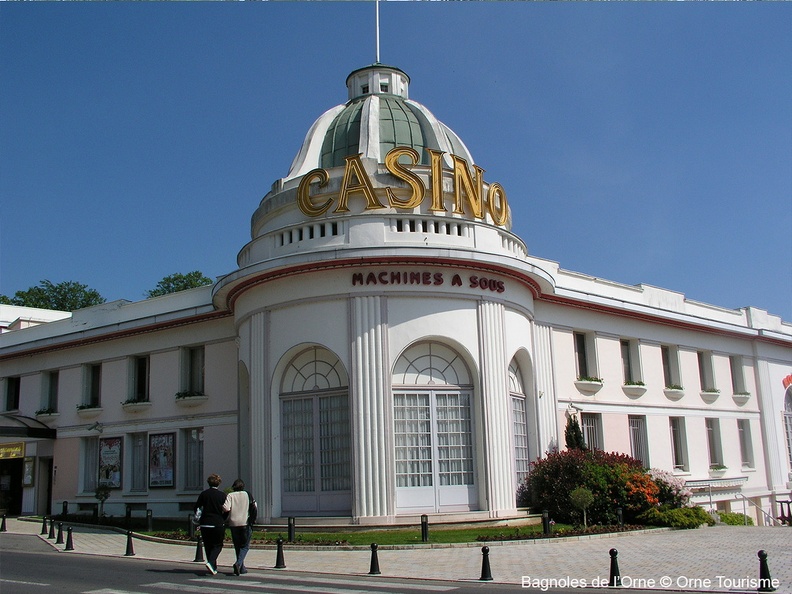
(315, 434)
(522, 461)
(433, 430)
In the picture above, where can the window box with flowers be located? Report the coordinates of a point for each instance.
(190, 398)
(634, 389)
(588, 385)
(135, 406)
(674, 392)
(45, 415)
(88, 411)
(710, 395)
(741, 398)
(717, 470)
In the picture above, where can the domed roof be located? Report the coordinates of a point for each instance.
(378, 117)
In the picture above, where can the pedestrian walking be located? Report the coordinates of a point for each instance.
(211, 519)
(242, 513)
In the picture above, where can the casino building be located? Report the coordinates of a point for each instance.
(386, 348)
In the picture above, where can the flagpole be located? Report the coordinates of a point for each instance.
(377, 22)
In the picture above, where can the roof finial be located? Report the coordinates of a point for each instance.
(377, 23)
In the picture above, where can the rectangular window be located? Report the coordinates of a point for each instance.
(13, 387)
(591, 425)
(193, 459)
(454, 439)
(51, 396)
(140, 388)
(670, 356)
(139, 458)
(193, 370)
(582, 356)
(630, 356)
(706, 377)
(334, 447)
(90, 464)
(413, 436)
(638, 440)
(522, 461)
(678, 442)
(93, 385)
(746, 443)
(298, 445)
(714, 442)
(737, 374)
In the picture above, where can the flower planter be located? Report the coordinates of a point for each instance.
(634, 391)
(717, 472)
(588, 387)
(135, 407)
(740, 399)
(673, 393)
(89, 413)
(709, 397)
(191, 401)
(47, 417)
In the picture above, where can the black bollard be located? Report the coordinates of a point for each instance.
(279, 562)
(69, 542)
(150, 520)
(765, 581)
(60, 533)
(486, 572)
(130, 549)
(3, 524)
(615, 578)
(546, 522)
(199, 558)
(619, 516)
(374, 566)
(52, 529)
(424, 528)
(291, 529)
(65, 509)
(43, 525)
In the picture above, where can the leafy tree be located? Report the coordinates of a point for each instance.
(65, 296)
(573, 434)
(581, 498)
(174, 283)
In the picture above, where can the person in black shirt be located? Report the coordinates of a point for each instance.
(212, 520)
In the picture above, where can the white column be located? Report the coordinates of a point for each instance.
(547, 406)
(371, 414)
(496, 411)
(770, 420)
(259, 421)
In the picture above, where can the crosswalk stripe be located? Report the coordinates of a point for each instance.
(112, 591)
(2, 581)
(380, 582)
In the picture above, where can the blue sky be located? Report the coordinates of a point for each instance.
(637, 142)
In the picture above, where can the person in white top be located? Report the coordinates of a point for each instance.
(242, 511)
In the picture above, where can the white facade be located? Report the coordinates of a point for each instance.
(388, 348)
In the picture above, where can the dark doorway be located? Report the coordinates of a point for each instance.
(11, 486)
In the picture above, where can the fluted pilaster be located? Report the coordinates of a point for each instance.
(260, 429)
(546, 403)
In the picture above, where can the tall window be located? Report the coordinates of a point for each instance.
(629, 357)
(746, 443)
(140, 387)
(93, 385)
(13, 385)
(670, 356)
(678, 442)
(591, 425)
(193, 458)
(584, 355)
(522, 461)
(90, 464)
(706, 377)
(316, 453)
(139, 459)
(737, 374)
(714, 442)
(51, 395)
(638, 440)
(193, 369)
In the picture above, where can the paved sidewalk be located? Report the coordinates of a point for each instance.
(680, 560)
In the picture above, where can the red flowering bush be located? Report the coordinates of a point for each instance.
(615, 480)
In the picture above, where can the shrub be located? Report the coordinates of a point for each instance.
(672, 489)
(682, 517)
(735, 519)
(615, 480)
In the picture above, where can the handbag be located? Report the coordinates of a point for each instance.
(252, 509)
(197, 516)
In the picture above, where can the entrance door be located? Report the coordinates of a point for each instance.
(11, 486)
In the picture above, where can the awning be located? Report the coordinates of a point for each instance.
(19, 426)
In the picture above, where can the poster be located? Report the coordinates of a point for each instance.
(27, 472)
(110, 462)
(161, 460)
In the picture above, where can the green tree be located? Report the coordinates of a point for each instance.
(65, 296)
(573, 434)
(581, 498)
(174, 283)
